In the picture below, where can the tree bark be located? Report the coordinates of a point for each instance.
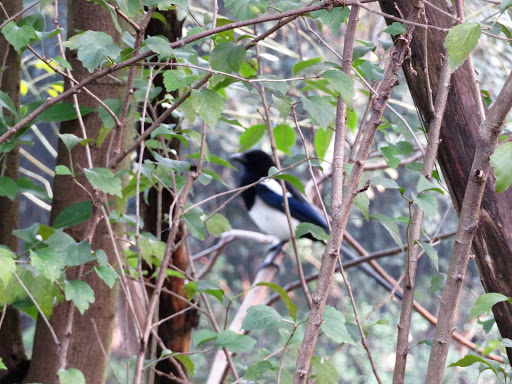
(12, 350)
(85, 352)
(459, 133)
(176, 332)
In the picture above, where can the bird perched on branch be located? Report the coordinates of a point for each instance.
(265, 205)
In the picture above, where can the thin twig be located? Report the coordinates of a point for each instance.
(180, 43)
(341, 209)
(45, 319)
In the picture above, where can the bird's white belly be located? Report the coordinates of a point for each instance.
(271, 221)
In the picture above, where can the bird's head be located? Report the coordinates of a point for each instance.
(256, 163)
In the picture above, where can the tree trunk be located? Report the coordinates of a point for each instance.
(85, 350)
(175, 333)
(12, 350)
(493, 240)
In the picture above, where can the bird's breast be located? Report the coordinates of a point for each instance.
(271, 221)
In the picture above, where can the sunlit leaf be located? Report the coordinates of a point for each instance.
(80, 293)
(460, 41)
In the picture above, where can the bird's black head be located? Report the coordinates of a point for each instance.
(256, 164)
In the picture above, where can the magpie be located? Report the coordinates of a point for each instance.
(265, 204)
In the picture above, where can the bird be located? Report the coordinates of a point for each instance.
(264, 202)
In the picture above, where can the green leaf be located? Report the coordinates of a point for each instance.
(427, 203)
(8, 187)
(18, 36)
(395, 29)
(73, 215)
(63, 170)
(256, 371)
(485, 303)
(285, 137)
(362, 202)
(251, 136)
(316, 231)
(7, 103)
(390, 226)
(47, 262)
(290, 305)
(35, 20)
(260, 317)
(194, 223)
(174, 79)
(320, 110)
(460, 41)
(361, 50)
(324, 371)
(385, 182)
(70, 140)
(505, 4)
(80, 293)
(334, 326)
(45, 231)
(501, 160)
(217, 225)
(323, 138)
(235, 342)
(332, 18)
(245, 9)
(227, 57)
(303, 64)
(431, 253)
(282, 104)
(160, 45)
(390, 155)
(164, 5)
(78, 253)
(58, 112)
(178, 165)
(187, 363)
(342, 83)
(94, 47)
(7, 265)
(71, 376)
(425, 185)
(292, 180)
(107, 119)
(203, 336)
(279, 86)
(105, 180)
(2, 365)
(209, 105)
(468, 360)
(209, 288)
(107, 274)
(129, 7)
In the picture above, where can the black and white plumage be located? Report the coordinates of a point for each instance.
(265, 204)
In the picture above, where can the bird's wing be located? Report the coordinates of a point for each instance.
(271, 193)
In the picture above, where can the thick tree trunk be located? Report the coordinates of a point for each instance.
(85, 350)
(493, 241)
(176, 332)
(12, 351)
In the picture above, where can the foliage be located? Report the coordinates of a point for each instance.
(268, 97)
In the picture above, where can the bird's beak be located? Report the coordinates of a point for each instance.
(237, 157)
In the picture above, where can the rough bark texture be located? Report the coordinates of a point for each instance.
(493, 241)
(12, 351)
(176, 332)
(85, 351)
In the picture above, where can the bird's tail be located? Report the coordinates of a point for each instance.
(345, 251)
